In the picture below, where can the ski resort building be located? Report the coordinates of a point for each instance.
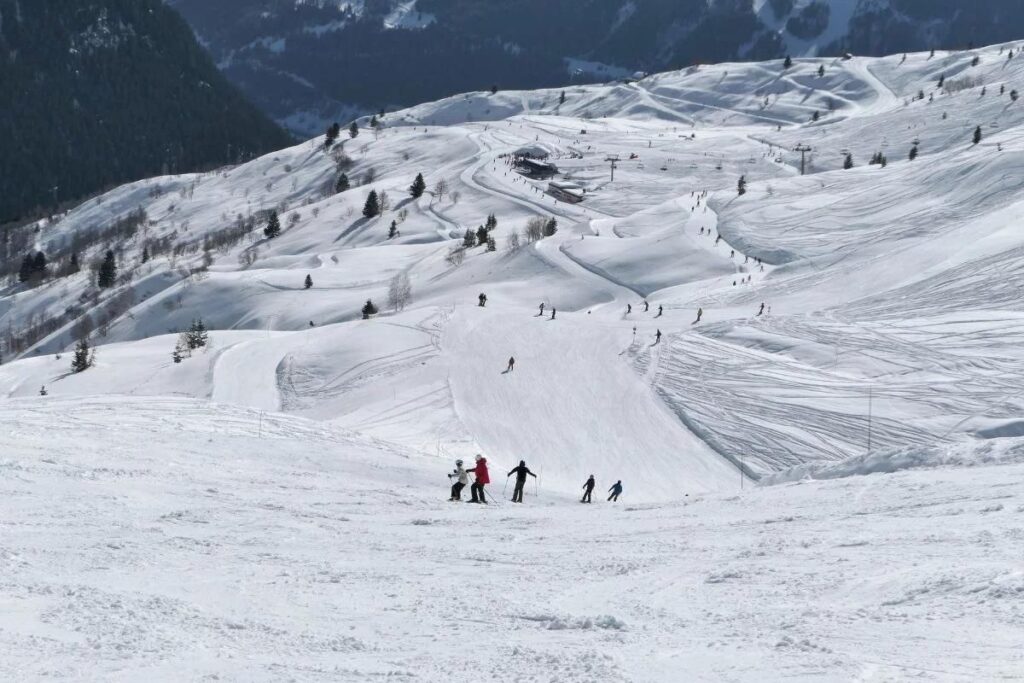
(566, 192)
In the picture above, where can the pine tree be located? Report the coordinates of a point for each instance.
(332, 134)
(551, 227)
(913, 152)
(848, 162)
(197, 336)
(1013, 95)
(145, 253)
(83, 358)
(179, 351)
(491, 244)
(74, 263)
(816, 115)
(469, 239)
(26, 270)
(788, 63)
(353, 130)
(418, 186)
(481, 235)
(977, 135)
(309, 282)
(393, 230)
(368, 309)
(273, 227)
(492, 222)
(108, 271)
(942, 81)
(39, 265)
(741, 186)
(494, 90)
(561, 98)
(372, 206)
(342, 185)
(374, 122)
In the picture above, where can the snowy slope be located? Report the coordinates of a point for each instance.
(890, 339)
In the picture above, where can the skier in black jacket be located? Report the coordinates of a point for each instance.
(520, 472)
(588, 488)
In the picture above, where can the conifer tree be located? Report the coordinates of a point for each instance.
(788, 63)
(913, 152)
(741, 186)
(368, 309)
(977, 135)
(418, 186)
(273, 227)
(83, 358)
(481, 235)
(492, 222)
(309, 282)
(179, 351)
(821, 71)
(26, 270)
(39, 265)
(108, 271)
(342, 185)
(551, 227)
(393, 230)
(74, 262)
(372, 206)
(561, 98)
(145, 253)
(353, 130)
(848, 162)
(197, 335)
(491, 244)
(469, 239)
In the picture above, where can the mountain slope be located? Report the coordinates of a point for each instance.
(101, 92)
(308, 64)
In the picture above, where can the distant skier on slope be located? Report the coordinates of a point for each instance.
(461, 479)
(629, 308)
(700, 312)
(660, 311)
(761, 312)
(616, 490)
(542, 310)
(657, 337)
(553, 311)
(511, 365)
(647, 306)
(521, 471)
(588, 488)
(482, 299)
(482, 479)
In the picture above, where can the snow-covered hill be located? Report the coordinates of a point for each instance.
(890, 339)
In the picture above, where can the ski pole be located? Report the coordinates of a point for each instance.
(505, 490)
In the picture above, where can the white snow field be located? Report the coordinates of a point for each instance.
(828, 490)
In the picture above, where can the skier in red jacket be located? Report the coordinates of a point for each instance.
(482, 478)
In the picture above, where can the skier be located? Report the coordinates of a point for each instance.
(482, 479)
(483, 299)
(553, 311)
(461, 479)
(657, 337)
(511, 365)
(520, 472)
(588, 488)
(660, 311)
(646, 306)
(629, 308)
(762, 309)
(542, 310)
(616, 489)
(700, 312)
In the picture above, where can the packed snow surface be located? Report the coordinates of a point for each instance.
(817, 416)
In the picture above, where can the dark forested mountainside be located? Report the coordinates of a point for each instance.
(97, 92)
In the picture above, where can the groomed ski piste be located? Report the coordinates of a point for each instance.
(827, 491)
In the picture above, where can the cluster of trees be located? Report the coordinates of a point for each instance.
(84, 356)
(196, 337)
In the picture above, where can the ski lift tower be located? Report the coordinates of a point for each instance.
(803, 149)
(612, 159)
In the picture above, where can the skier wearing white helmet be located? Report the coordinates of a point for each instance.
(461, 479)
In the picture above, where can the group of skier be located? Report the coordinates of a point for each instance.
(481, 477)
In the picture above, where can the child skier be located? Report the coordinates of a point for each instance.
(461, 479)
